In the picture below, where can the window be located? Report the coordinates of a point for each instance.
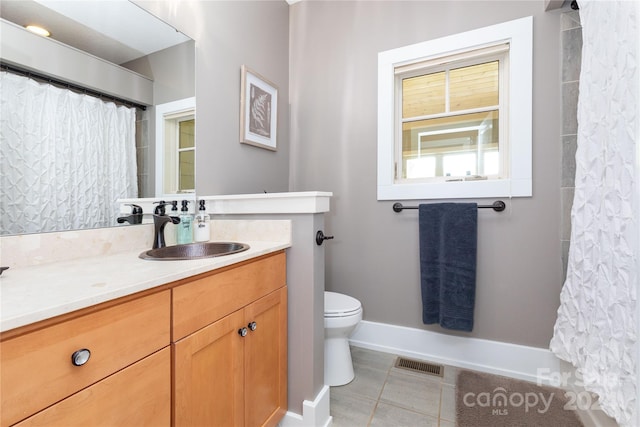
(185, 168)
(454, 115)
(175, 147)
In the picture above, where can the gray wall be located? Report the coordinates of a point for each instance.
(374, 256)
(325, 54)
(229, 34)
(173, 73)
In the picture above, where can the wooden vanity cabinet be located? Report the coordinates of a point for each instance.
(125, 341)
(204, 351)
(230, 366)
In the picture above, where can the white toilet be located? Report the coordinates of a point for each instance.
(342, 314)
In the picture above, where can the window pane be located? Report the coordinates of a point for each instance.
(445, 137)
(422, 167)
(459, 164)
(423, 95)
(491, 163)
(187, 170)
(187, 133)
(473, 87)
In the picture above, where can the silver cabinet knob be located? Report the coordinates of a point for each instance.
(80, 357)
(243, 332)
(253, 326)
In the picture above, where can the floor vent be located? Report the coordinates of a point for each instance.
(419, 366)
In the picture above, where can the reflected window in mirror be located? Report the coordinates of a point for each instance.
(454, 116)
(176, 148)
(186, 155)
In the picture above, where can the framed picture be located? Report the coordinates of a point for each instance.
(258, 110)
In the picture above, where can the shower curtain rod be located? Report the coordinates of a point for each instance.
(70, 86)
(497, 206)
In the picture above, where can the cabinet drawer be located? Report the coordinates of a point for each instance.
(139, 395)
(36, 368)
(203, 301)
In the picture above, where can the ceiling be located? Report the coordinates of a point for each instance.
(116, 30)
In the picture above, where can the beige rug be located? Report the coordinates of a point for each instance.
(484, 400)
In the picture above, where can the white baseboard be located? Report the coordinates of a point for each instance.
(314, 413)
(511, 360)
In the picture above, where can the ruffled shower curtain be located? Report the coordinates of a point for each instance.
(597, 325)
(65, 160)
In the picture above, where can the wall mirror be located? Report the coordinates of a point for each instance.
(109, 34)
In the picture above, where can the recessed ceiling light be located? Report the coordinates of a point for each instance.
(38, 30)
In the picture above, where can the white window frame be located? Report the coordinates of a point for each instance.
(163, 112)
(519, 34)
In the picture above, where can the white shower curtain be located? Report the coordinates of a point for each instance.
(65, 159)
(597, 325)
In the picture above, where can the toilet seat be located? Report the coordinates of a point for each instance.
(340, 305)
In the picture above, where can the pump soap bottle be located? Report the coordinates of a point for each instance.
(171, 227)
(185, 228)
(202, 229)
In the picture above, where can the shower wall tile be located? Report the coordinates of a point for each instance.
(569, 145)
(571, 54)
(570, 20)
(566, 204)
(141, 154)
(571, 33)
(565, 256)
(569, 108)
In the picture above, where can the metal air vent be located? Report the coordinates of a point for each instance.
(419, 366)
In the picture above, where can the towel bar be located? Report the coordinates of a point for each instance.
(497, 206)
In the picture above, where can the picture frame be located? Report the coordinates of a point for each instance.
(258, 110)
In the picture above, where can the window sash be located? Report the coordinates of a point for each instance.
(498, 52)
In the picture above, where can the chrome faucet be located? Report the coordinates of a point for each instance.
(160, 220)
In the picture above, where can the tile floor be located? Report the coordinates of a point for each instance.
(386, 396)
(383, 395)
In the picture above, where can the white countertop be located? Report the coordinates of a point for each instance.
(34, 293)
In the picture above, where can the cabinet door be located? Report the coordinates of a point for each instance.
(209, 375)
(266, 360)
(139, 395)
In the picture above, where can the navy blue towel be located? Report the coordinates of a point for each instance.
(448, 248)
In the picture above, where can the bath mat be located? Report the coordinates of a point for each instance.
(484, 400)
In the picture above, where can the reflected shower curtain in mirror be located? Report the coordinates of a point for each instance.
(65, 160)
(597, 325)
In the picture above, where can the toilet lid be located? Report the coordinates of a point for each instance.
(336, 304)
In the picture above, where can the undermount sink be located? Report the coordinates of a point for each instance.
(194, 251)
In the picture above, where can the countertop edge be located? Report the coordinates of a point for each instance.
(184, 269)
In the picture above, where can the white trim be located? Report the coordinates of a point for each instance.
(314, 413)
(519, 33)
(307, 202)
(269, 203)
(511, 360)
(163, 110)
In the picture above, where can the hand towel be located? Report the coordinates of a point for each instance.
(448, 247)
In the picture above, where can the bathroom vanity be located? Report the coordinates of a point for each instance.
(206, 336)
(75, 283)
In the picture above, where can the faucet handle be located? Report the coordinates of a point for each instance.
(135, 209)
(159, 210)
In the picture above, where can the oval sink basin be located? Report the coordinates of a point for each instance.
(194, 251)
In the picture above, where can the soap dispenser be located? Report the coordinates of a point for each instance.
(185, 230)
(171, 228)
(201, 228)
